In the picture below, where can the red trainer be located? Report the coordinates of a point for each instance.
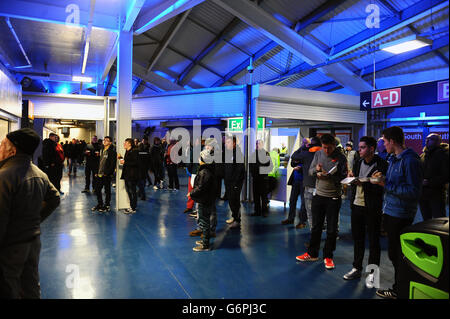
(306, 257)
(329, 264)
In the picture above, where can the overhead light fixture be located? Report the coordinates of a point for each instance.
(407, 44)
(84, 79)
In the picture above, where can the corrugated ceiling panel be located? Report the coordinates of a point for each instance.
(201, 77)
(185, 42)
(211, 15)
(247, 38)
(307, 80)
(223, 58)
(171, 63)
(291, 10)
(347, 20)
(422, 63)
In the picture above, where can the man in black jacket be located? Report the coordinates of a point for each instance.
(72, 154)
(144, 164)
(434, 162)
(107, 166)
(260, 166)
(20, 219)
(296, 181)
(366, 202)
(234, 179)
(309, 182)
(92, 153)
(52, 165)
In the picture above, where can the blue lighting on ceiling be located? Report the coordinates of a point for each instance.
(63, 89)
(173, 7)
(164, 75)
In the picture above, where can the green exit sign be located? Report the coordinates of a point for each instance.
(236, 124)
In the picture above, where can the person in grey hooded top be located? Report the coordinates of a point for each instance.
(330, 167)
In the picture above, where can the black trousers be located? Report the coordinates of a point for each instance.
(130, 187)
(19, 274)
(324, 207)
(158, 171)
(89, 173)
(363, 220)
(393, 227)
(260, 196)
(54, 174)
(141, 188)
(103, 182)
(173, 176)
(432, 208)
(234, 200)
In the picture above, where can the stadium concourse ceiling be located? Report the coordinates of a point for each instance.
(322, 45)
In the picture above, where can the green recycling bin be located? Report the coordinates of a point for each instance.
(424, 267)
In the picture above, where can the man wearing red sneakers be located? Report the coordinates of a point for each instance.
(329, 166)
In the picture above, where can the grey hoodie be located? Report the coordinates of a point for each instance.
(331, 186)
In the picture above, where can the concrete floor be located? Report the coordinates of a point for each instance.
(149, 254)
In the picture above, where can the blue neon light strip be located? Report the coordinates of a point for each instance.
(426, 118)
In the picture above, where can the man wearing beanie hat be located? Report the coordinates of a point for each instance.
(27, 198)
(203, 193)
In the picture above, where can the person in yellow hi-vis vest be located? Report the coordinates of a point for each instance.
(274, 174)
(284, 149)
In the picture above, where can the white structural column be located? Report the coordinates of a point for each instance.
(123, 107)
(100, 125)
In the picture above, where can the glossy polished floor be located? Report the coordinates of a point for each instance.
(149, 254)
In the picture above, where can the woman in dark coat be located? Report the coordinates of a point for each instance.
(130, 173)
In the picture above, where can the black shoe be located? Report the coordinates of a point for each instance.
(255, 214)
(98, 207)
(106, 208)
(387, 293)
(287, 222)
(86, 190)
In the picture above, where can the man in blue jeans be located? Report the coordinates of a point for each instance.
(296, 181)
(330, 167)
(403, 186)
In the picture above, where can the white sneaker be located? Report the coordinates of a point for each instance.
(229, 221)
(155, 187)
(352, 274)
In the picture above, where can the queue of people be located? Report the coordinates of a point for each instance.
(387, 183)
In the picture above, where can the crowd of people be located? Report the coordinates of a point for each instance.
(386, 182)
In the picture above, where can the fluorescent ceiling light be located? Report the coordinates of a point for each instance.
(81, 79)
(407, 44)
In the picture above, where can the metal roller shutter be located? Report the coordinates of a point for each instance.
(309, 112)
(215, 104)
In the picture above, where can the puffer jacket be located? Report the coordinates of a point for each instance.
(403, 185)
(435, 169)
(27, 198)
(204, 191)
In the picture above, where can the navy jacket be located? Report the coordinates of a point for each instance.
(403, 185)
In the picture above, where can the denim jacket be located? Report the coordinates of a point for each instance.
(403, 185)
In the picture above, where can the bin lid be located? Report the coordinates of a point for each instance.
(438, 226)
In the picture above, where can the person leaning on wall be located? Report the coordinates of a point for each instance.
(27, 198)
